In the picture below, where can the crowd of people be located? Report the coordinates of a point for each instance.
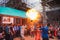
(9, 31)
(45, 31)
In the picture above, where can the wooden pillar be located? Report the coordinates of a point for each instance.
(0, 19)
(20, 21)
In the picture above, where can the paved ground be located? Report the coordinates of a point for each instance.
(26, 38)
(30, 38)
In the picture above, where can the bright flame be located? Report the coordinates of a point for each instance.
(32, 14)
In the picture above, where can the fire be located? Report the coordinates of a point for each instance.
(32, 14)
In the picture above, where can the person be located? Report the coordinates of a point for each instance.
(1, 32)
(22, 31)
(58, 34)
(7, 33)
(44, 29)
(11, 32)
(38, 34)
(15, 28)
(19, 30)
(32, 31)
(51, 32)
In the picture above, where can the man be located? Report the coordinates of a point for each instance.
(22, 31)
(32, 30)
(15, 29)
(8, 35)
(45, 32)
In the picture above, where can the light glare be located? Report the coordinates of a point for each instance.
(32, 14)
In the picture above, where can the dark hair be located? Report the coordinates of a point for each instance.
(48, 24)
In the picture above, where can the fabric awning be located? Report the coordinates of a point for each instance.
(12, 12)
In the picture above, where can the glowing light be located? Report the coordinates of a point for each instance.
(32, 14)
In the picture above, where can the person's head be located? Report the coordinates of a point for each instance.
(48, 24)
